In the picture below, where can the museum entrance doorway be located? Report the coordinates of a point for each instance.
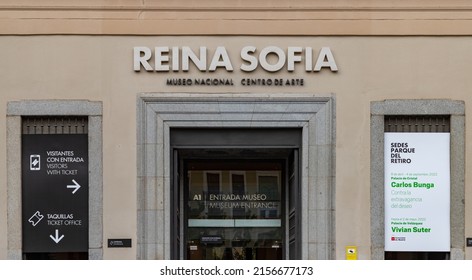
(238, 199)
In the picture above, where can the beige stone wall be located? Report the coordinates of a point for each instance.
(99, 68)
(249, 17)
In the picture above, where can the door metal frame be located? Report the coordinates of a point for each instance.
(197, 141)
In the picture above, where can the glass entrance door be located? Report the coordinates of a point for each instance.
(234, 209)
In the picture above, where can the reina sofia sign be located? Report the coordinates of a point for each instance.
(270, 59)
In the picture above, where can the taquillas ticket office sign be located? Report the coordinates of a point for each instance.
(55, 193)
(417, 192)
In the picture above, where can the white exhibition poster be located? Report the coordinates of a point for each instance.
(417, 192)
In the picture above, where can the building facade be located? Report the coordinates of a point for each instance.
(235, 130)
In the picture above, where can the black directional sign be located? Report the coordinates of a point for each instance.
(55, 193)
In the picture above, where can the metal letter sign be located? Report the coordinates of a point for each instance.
(55, 193)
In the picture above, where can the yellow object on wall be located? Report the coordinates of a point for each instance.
(351, 253)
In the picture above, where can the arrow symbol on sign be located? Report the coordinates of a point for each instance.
(57, 238)
(76, 186)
